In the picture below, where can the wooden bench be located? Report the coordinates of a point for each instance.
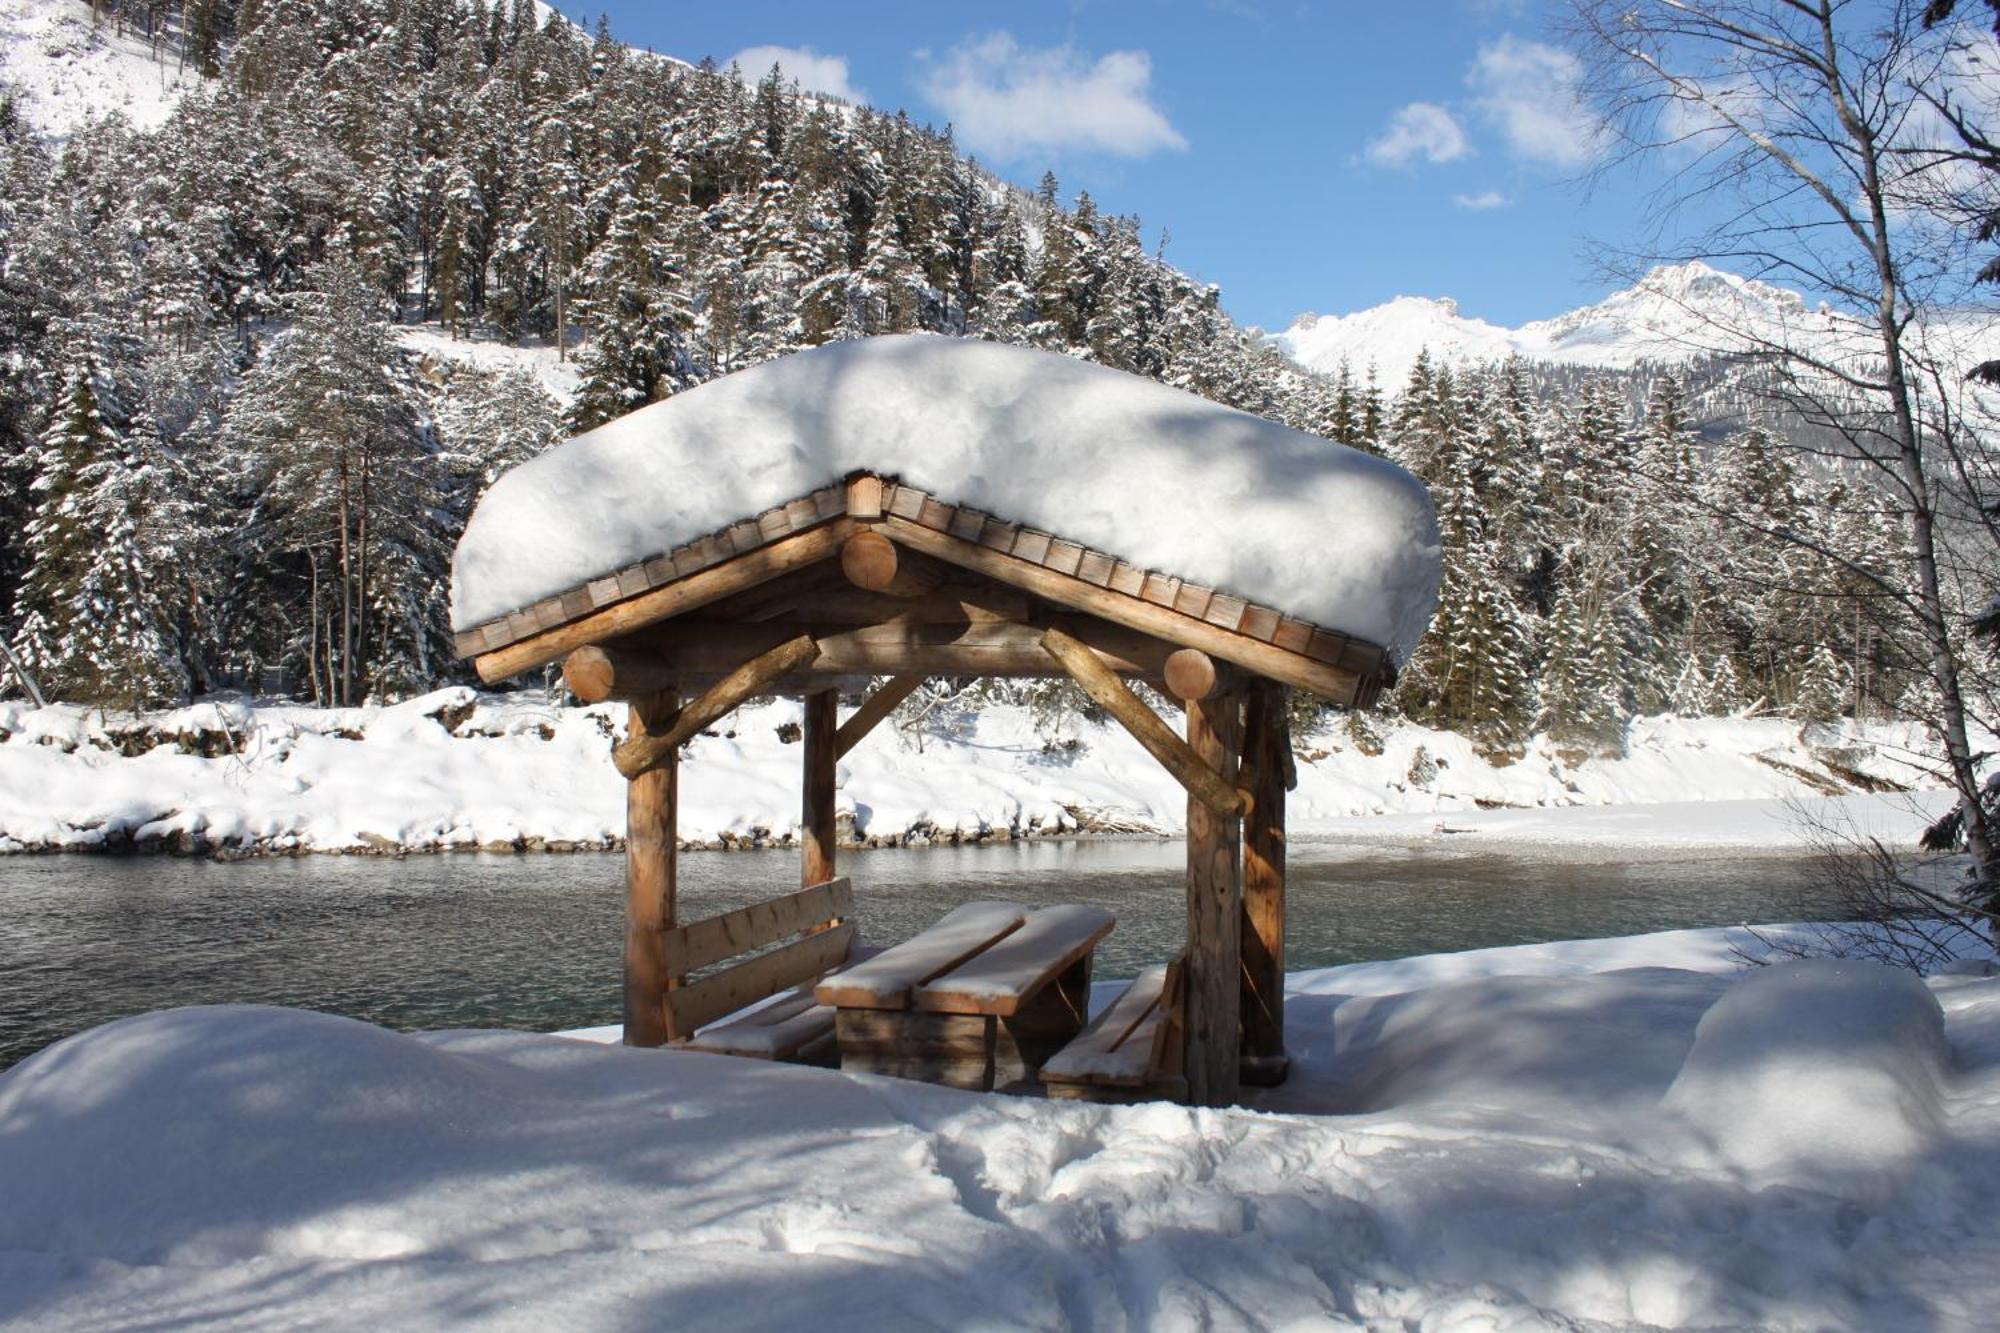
(708, 1013)
(978, 1001)
(1129, 1053)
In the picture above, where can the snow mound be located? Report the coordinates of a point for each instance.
(1156, 476)
(1819, 1070)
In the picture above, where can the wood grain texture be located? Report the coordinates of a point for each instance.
(533, 649)
(700, 1003)
(1212, 974)
(1190, 674)
(874, 709)
(816, 810)
(703, 943)
(641, 751)
(601, 672)
(650, 880)
(1292, 666)
(1204, 783)
(1267, 746)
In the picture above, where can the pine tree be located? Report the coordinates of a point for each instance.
(1822, 693)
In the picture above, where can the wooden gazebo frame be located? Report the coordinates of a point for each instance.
(872, 578)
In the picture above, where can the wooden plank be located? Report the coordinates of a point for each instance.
(631, 582)
(865, 496)
(1259, 622)
(936, 514)
(889, 979)
(1205, 785)
(637, 753)
(604, 591)
(1160, 589)
(1104, 1051)
(774, 523)
(774, 1032)
(650, 881)
(802, 512)
(576, 602)
(1212, 981)
(702, 943)
(660, 569)
(1292, 635)
(533, 649)
(1225, 612)
(1326, 646)
(907, 502)
(816, 802)
(998, 534)
(1063, 557)
(1267, 747)
(1031, 545)
(998, 980)
(1264, 659)
(967, 523)
(1128, 579)
(828, 502)
(1193, 599)
(695, 1006)
(873, 710)
(954, 1050)
(1095, 567)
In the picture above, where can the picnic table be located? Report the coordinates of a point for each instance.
(980, 1000)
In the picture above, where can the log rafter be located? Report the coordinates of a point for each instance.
(643, 751)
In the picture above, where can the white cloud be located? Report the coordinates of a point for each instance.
(1481, 202)
(1010, 101)
(1421, 129)
(814, 72)
(1529, 91)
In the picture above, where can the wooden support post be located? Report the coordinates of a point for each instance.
(1267, 745)
(651, 816)
(816, 840)
(1204, 782)
(640, 751)
(873, 710)
(1212, 988)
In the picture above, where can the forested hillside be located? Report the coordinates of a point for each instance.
(220, 462)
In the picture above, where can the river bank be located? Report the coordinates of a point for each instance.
(459, 770)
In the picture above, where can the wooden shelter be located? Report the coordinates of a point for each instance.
(871, 584)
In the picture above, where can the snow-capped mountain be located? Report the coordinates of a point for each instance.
(1675, 313)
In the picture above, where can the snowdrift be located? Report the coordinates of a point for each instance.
(1522, 1161)
(1159, 477)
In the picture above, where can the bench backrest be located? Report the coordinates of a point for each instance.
(818, 915)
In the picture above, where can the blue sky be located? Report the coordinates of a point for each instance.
(1305, 156)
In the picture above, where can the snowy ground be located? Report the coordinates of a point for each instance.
(1595, 1135)
(456, 769)
(72, 70)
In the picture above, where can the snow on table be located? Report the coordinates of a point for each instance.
(1159, 477)
(1516, 1152)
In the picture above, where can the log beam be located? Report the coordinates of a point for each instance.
(1191, 674)
(816, 815)
(651, 878)
(1267, 751)
(1253, 655)
(697, 648)
(872, 561)
(1212, 983)
(1208, 786)
(642, 751)
(873, 710)
(603, 672)
(672, 599)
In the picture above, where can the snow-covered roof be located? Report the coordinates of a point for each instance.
(1158, 477)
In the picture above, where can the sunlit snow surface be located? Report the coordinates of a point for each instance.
(1161, 478)
(1601, 1134)
(73, 71)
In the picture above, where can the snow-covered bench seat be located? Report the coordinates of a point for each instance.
(725, 1011)
(1128, 1053)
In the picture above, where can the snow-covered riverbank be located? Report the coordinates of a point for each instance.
(1607, 1134)
(456, 769)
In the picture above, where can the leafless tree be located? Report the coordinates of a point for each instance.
(1786, 132)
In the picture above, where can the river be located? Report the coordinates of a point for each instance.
(535, 941)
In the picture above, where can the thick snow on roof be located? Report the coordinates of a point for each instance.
(1153, 475)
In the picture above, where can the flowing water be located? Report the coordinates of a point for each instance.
(536, 941)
